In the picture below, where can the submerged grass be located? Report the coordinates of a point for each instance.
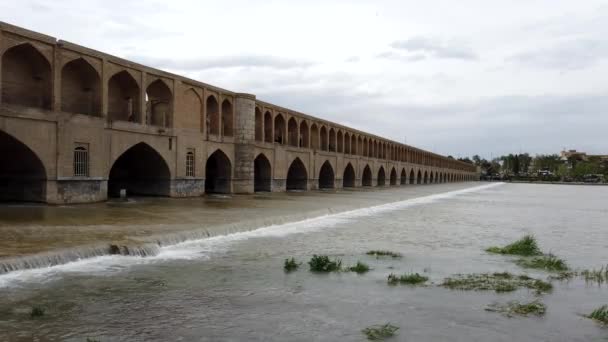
(598, 276)
(322, 263)
(380, 332)
(37, 311)
(408, 279)
(291, 265)
(359, 268)
(513, 308)
(600, 314)
(547, 262)
(383, 253)
(525, 246)
(498, 282)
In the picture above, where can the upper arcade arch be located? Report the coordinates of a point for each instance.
(80, 88)
(123, 98)
(159, 104)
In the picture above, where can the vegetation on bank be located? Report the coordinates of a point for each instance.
(291, 265)
(383, 253)
(380, 332)
(513, 308)
(498, 282)
(359, 268)
(600, 314)
(525, 246)
(37, 311)
(598, 276)
(408, 279)
(547, 262)
(322, 264)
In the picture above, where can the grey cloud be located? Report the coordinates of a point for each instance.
(401, 57)
(204, 63)
(434, 48)
(565, 55)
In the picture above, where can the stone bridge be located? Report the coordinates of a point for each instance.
(78, 125)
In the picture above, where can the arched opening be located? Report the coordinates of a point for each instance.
(227, 119)
(314, 137)
(323, 138)
(261, 174)
(370, 149)
(381, 177)
(426, 177)
(218, 173)
(365, 148)
(80, 88)
(366, 179)
(26, 77)
(353, 145)
(140, 170)
(360, 147)
(419, 178)
(292, 132)
(393, 179)
(432, 178)
(268, 127)
(22, 174)
(159, 104)
(346, 143)
(403, 177)
(191, 116)
(348, 180)
(297, 177)
(412, 177)
(304, 141)
(332, 140)
(326, 176)
(213, 115)
(123, 98)
(259, 125)
(279, 129)
(340, 142)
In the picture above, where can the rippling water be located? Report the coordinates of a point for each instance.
(233, 288)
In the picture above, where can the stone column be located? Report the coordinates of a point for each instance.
(244, 147)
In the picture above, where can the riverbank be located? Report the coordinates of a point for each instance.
(544, 182)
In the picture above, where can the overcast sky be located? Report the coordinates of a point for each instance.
(454, 77)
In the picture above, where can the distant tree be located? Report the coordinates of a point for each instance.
(477, 159)
(515, 166)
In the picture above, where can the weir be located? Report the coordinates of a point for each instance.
(78, 125)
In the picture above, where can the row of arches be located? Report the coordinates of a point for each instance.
(27, 80)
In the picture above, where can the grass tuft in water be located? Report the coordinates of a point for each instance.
(599, 276)
(547, 262)
(381, 253)
(408, 279)
(498, 282)
(380, 332)
(322, 263)
(600, 314)
(513, 308)
(92, 340)
(291, 265)
(525, 246)
(359, 268)
(37, 311)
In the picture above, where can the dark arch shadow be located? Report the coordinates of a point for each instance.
(326, 176)
(297, 177)
(366, 180)
(403, 179)
(262, 174)
(381, 177)
(22, 173)
(426, 177)
(348, 180)
(393, 179)
(419, 179)
(412, 177)
(140, 170)
(218, 173)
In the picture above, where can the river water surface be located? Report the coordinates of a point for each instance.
(232, 287)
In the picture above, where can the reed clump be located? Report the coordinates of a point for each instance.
(322, 264)
(600, 314)
(408, 279)
(37, 311)
(498, 282)
(359, 268)
(547, 262)
(513, 308)
(598, 276)
(380, 332)
(384, 253)
(291, 265)
(526, 246)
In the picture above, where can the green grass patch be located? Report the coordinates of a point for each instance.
(359, 268)
(525, 246)
(598, 276)
(381, 253)
(291, 265)
(547, 262)
(37, 311)
(600, 314)
(515, 308)
(408, 279)
(380, 332)
(322, 263)
(498, 282)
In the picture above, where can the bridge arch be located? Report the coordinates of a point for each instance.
(304, 137)
(268, 127)
(326, 176)
(262, 174)
(412, 177)
(26, 77)
(123, 97)
(323, 133)
(381, 181)
(426, 177)
(292, 132)
(346, 143)
(159, 104)
(332, 140)
(340, 144)
(22, 173)
(366, 179)
(403, 179)
(80, 88)
(212, 109)
(218, 173)
(297, 176)
(432, 178)
(393, 179)
(227, 119)
(419, 177)
(279, 129)
(348, 180)
(259, 125)
(314, 137)
(140, 170)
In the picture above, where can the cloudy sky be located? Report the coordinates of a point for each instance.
(455, 77)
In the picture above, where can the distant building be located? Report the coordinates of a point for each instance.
(573, 155)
